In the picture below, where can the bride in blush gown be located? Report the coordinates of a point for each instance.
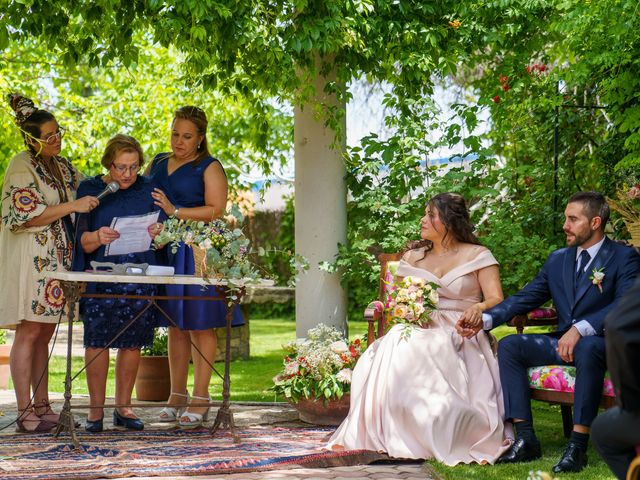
(434, 394)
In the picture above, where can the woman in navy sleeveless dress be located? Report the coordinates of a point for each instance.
(106, 320)
(192, 185)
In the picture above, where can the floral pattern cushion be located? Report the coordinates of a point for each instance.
(542, 313)
(561, 378)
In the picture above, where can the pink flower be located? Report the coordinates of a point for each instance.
(551, 383)
(535, 375)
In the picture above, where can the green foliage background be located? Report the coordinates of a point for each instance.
(521, 67)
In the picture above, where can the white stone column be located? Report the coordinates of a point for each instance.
(320, 214)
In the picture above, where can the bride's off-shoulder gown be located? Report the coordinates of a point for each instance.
(433, 394)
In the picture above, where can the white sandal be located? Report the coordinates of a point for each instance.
(194, 419)
(171, 414)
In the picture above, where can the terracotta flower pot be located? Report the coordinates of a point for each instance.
(314, 411)
(5, 372)
(153, 382)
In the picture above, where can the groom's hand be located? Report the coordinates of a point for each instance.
(567, 343)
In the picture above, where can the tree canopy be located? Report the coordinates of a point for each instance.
(551, 75)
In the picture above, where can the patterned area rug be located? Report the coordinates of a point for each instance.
(164, 453)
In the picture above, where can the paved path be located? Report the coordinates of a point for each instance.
(245, 415)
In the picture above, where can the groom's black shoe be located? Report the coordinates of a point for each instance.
(573, 459)
(521, 451)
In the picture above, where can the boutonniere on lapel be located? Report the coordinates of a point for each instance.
(597, 277)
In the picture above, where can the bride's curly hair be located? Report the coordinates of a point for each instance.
(454, 215)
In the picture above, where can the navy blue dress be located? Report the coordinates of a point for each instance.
(185, 188)
(105, 318)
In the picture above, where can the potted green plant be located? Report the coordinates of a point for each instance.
(5, 351)
(316, 375)
(153, 380)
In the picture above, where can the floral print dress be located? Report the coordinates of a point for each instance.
(26, 253)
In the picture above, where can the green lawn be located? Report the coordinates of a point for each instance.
(250, 380)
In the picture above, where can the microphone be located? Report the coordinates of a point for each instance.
(112, 187)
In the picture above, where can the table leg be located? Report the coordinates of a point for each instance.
(66, 422)
(224, 417)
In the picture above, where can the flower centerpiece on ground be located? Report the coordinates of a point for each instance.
(410, 302)
(220, 250)
(316, 374)
(627, 204)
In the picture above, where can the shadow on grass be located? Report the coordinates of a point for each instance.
(548, 424)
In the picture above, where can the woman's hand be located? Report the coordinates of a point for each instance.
(470, 322)
(85, 204)
(107, 235)
(154, 230)
(161, 200)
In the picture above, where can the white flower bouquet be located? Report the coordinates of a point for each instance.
(319, 366)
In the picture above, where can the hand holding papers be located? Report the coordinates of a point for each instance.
(134, 234)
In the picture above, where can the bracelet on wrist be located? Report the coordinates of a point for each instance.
(175, 212)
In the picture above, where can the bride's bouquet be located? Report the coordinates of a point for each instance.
(410, 302)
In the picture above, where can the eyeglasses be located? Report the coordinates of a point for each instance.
(54, 137)
(123, 168)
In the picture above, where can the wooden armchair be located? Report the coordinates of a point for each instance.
(374, 313)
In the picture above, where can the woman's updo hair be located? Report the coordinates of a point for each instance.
(29, 118)
(196, 116)
(121, 143)
(454, 215)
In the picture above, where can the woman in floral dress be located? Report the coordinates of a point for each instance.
(38, 202)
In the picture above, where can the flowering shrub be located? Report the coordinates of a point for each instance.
(226, 249)
(319, 366)
(411, 302)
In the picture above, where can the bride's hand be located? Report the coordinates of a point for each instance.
(472, 316)
(470, 322)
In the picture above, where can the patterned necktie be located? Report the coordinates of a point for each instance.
(583, 259)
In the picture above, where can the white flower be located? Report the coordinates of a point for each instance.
(418, 309)
(597, 277)
(291, 368)
(339, 347)
(188, 238)
(206, 245)
(344, 375)
(433, 297)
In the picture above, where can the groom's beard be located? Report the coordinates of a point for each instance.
(579, 238)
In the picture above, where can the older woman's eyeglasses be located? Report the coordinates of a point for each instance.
(54, 137)
(122, 169)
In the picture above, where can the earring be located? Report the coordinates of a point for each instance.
(199, 145)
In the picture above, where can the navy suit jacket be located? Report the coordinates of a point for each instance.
(620, 265)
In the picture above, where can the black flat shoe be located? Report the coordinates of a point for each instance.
(129, 423)
(573, 459)
(521, 451)
(94, 426)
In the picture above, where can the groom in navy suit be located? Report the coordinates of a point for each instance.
(585, 281)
